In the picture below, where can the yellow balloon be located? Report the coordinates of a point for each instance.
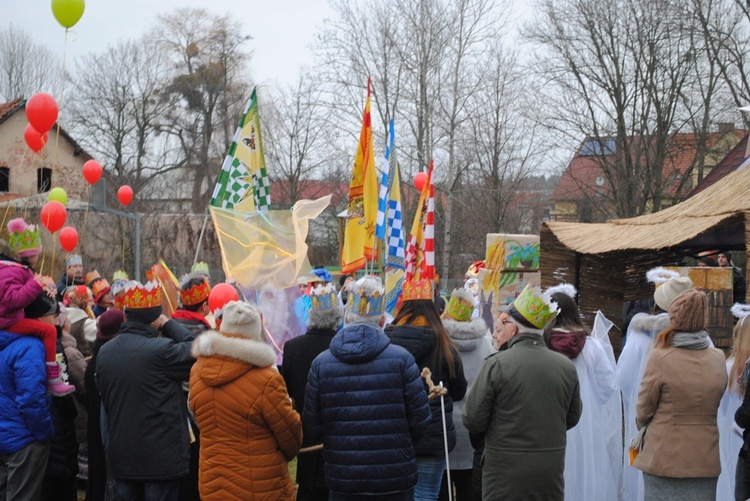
(58, 194)
(68, 12)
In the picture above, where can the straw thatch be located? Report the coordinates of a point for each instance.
(607, 262)
(719, 205)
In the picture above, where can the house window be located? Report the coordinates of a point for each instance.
(4, 179)
(43, 179)
(595, 148)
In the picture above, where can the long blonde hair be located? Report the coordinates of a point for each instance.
(740, 352)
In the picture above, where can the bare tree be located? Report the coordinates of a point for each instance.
(619, 74)
(297, 141)
(206, 90)
(25, 67)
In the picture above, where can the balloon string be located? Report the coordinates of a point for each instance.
(62, 96)
(54, 250)
(86, 214)
(122, 230)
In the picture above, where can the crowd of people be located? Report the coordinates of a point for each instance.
(102, 390)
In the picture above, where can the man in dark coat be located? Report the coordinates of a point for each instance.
(139, 375)
(524, 400)
(323, 321)
(366, 401)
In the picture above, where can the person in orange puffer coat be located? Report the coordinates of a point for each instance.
(249, 429)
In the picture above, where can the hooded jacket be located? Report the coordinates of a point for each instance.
(366, 401)
(567, 342)
(18, 289)
(249, 429)
(24, 415)
(420, 342)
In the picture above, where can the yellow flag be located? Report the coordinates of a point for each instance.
(362, 211)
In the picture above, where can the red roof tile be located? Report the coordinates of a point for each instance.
(580, 178)
(7, 109)
(727, 165)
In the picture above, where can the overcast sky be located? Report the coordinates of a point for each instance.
(281, 29)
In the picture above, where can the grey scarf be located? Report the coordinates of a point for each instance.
(691, 340)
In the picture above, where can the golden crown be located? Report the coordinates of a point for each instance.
(195, 294)
(535, 306)
(417, 289)
(139, 296)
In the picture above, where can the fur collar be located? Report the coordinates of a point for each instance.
(465, 330)
(651, 324)
(212, 343)
(467, 336)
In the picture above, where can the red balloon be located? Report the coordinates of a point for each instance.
(41, 111)
(125, 194)
(54, 215)
(419, 180)
(92, 171)
(220, 295)
(68, 238)
(34, 139)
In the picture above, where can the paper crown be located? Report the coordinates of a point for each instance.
(90, 277)
(72, 260)
(200, 267)
(535, 306)
(78, 295)
(416, 290)
(197, 293)
(140, 296)
(25, 239)
(119, 275)
(323, 297)
(366, 304)
(99, 287)
(474, 268)
(461, 305)
(118, 293)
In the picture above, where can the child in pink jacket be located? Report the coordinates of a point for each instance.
(19, 286)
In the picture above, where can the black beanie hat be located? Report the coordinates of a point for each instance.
(42, 306)
(142, 315)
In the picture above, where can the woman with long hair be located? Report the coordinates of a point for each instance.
(682, 385)
(730, 436)
(418, 328)
(594, 447)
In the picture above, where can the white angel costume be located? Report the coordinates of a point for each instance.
(593, 454)
(730, 438)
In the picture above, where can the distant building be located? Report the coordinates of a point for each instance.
(24, 173)
(583, 191)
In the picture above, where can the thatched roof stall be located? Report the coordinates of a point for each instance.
(607, 262)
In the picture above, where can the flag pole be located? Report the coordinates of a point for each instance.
(200, 239)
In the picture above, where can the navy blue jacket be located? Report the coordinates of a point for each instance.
(24, 415)
(366, 401)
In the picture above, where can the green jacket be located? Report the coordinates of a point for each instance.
(524, 400)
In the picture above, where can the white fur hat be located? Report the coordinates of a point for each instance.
(241, 318)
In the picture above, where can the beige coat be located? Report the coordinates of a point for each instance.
(680, 394)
